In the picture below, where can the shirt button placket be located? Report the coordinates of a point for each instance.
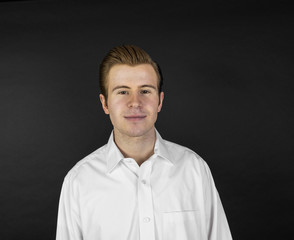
(146, 214)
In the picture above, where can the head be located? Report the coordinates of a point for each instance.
(131, 91)
(129, 55)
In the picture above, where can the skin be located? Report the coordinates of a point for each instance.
(133, 105)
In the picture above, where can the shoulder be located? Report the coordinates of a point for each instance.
(182, 154)
(95, 160)
(187, 160)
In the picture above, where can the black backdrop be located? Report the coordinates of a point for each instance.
(228, 69)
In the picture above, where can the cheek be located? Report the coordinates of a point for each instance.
(153, 106)
(115, 106)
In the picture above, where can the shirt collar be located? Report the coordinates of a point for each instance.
(114, 156)
(161, 149)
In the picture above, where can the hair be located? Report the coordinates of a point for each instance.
(125, 54)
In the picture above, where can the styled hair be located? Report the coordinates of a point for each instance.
(126, 54)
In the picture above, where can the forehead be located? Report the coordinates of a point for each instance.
(132, 75)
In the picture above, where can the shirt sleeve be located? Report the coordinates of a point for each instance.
(217, 227)
(68, 222)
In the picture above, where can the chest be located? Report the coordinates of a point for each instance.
(154, 199)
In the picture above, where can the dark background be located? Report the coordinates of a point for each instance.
(228, 69)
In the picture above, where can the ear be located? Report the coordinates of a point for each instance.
(161, 96)
(104, 104)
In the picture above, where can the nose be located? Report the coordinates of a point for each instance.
(134, 101)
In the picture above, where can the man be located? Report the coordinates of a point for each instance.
(138, 186)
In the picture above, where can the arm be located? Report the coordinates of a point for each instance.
(216, 222)
(68, 222)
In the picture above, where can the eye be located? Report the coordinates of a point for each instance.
(144, 92)
(122, 92)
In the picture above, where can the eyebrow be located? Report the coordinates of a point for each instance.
(142, 86)
(118, 87)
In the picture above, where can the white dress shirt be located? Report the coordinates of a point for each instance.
(171, 196)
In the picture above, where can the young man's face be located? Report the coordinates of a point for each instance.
(133, 100)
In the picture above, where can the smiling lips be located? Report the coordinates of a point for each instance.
(135, 117)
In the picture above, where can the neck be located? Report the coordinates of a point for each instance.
(139, 148)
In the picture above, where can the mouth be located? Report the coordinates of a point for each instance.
(135, 117)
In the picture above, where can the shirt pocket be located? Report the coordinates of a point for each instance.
(181, 224)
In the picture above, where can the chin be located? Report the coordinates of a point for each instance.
(137, 132)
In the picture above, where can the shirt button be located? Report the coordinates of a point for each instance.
(146, 219)
(143, 181)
